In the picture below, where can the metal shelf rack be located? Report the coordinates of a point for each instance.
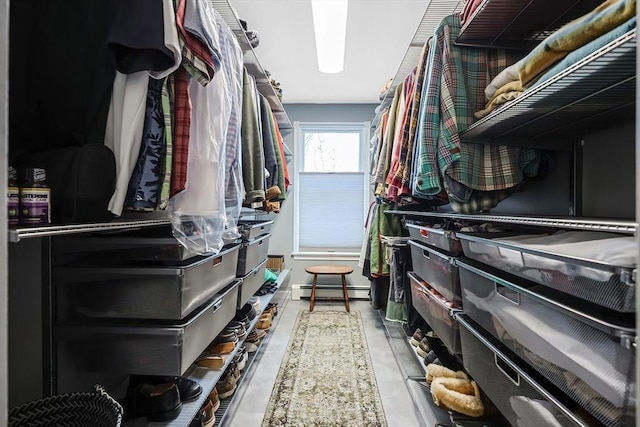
(435, 11)
(518, 23)
(252, 63)
(208, 378)
(591, 224)
(579, 96)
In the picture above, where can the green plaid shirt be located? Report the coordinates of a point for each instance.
(453, 90)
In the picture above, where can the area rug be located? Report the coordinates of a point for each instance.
(326, 378)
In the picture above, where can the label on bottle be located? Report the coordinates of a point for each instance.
(13, 206)
(35, 206)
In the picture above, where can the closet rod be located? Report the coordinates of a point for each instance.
(594, 224)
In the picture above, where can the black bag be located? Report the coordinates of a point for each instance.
(82, 181)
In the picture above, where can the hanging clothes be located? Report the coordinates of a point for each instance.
(148, 174)
(268, 145)
(252, 148)
(199, 212)
(136, 59)
(400, 265)
(383, 225)
(454, 88)
(279, 156)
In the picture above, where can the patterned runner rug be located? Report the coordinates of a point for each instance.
(326, 378)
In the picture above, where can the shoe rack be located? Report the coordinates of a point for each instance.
(228, 405)
(208, 378)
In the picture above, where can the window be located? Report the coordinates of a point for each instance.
(331, 191)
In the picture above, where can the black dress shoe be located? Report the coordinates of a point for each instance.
(158, 403)
(189, 389)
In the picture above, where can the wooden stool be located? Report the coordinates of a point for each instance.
(341, 270)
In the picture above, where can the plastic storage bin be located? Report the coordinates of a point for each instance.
(251, 282)
(155, 291)
(589, 359)
(437, 269)
(252, 229)
(251, 254)
(611, 286)
(146, 348)
(436, 237)
(520, 397)
(439, 314)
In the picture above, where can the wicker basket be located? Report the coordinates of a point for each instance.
(82, 409)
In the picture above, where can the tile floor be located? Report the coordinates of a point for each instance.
(250, 404)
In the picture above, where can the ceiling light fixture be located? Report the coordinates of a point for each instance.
(330, 27)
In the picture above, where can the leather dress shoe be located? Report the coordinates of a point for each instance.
(222, 348)
(156, 402)
(189, 389)
(211, 362)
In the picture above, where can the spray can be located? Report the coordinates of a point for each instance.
(13, 198)
(35, 199)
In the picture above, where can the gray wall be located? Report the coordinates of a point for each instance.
(281, 242)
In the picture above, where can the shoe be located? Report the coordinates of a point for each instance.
(244, 321)
(188, 389)
(235, 371)
(226, 385)
(241, 358)
(247, 311)
(266, 315)
(227, 335)
(273, 192)
(423, 347)
(255, 302)
(430, 357)
(211, 362)
(251, 347)
(215, 399)
(263, 323)
(272, 308)
(207, 415)
(238, 327)
(417, 337)
(255, 335)
(222, 348)
(156, 402)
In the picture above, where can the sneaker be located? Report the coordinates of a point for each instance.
(255, 303)
(247, 311)
(227, 335)
(416, 338)
(215, 399)
(226, 385)
(207, 414)
(423, 347)
(244, 321)
(241, 358)
(238, 327)
(430, 357)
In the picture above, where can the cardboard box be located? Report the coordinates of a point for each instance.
(275, 262)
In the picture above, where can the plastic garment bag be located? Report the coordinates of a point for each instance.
(198, 214)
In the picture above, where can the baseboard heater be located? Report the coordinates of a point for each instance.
(303, 290)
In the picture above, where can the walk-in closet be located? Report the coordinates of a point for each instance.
(363, 213)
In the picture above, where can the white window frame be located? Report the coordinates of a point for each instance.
(299, 129)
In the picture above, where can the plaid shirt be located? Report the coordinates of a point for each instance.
(197, 58)
(453, 91)
(400, 134)
(181, 131)
(401, 177)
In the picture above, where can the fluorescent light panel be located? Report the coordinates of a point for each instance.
(330, 27)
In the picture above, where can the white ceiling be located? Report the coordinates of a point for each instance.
(378, 33)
